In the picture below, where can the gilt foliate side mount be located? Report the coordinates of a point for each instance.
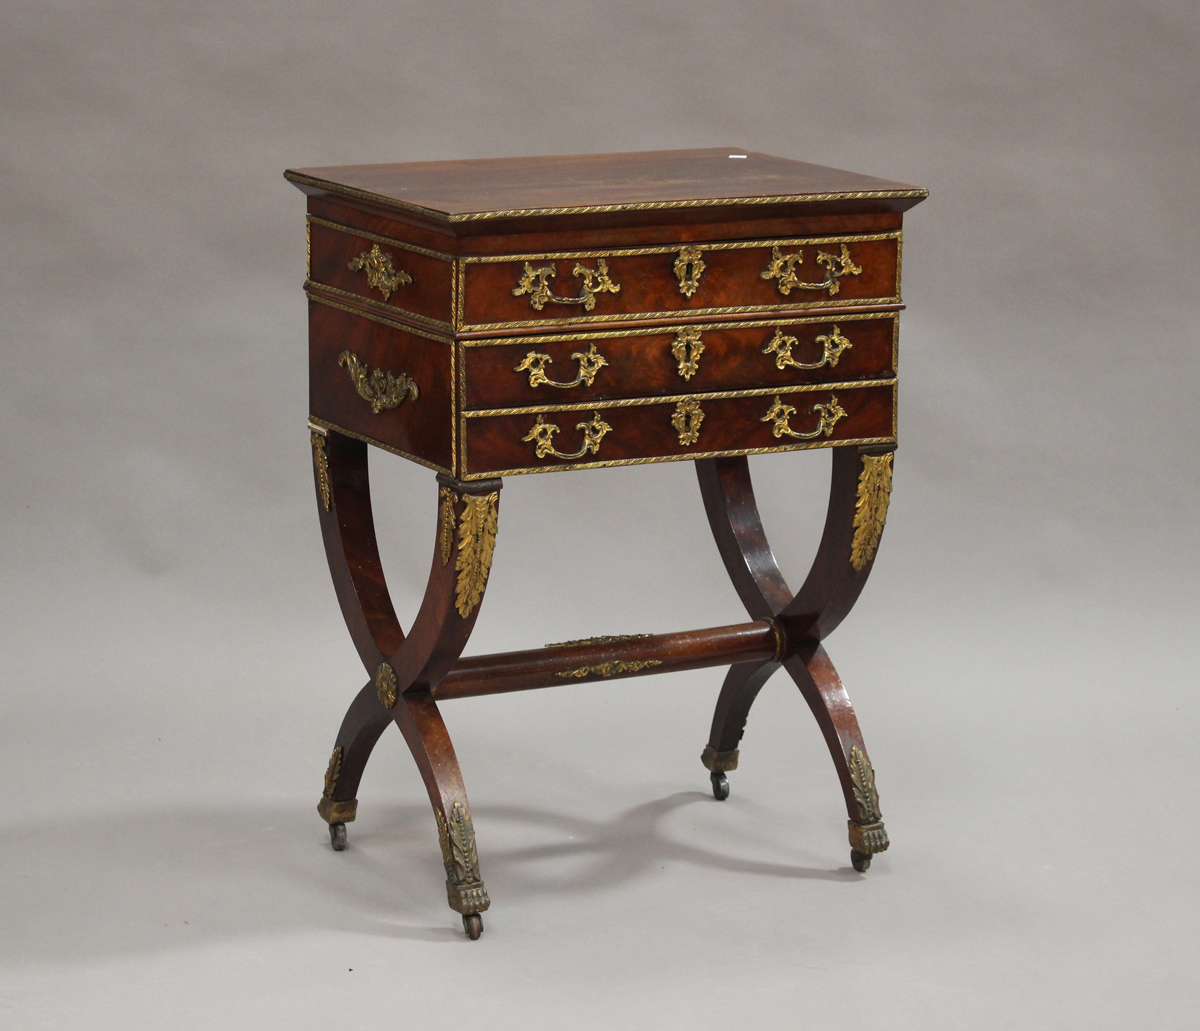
(381, 273)
(381, 389)
(870, 508)
(476, 542)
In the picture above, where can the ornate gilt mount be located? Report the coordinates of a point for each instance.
(868, 835)
(331, 811)
(333, 771)
(832, 345)
(869, 838)
(780, 414)
(686, 420)
(476, 542)
(589, 364)
(464, 886)
(609, 669)
(686, 349)
(385, 685)
(598, 640)
(783, 267)
(862, 776)
(870, 508)
(543, 432)
(381, 274)
(536, 283)
(321, 463)
(719, 762)
(689, 267)
(448, 499)
(379, 389)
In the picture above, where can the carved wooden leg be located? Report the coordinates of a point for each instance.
(733, 515)
(403, 668)
(742, 684)
(818, 681)
(861, 484)
(423, 729)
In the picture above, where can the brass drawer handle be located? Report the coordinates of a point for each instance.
(783, 267)
(833, 345)
(535, 282)
(589, 364)
(380, 389)
(542, 432)
(780, 413)
(689, 267)
(381, 274)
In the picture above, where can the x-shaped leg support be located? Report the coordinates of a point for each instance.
(405, 668)
(857, 509)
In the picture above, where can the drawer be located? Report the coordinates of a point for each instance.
(381, 382)
(539, 439)
(700, 358)
(393, 277)
(518, 290)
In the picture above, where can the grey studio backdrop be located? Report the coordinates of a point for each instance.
(1023, 661)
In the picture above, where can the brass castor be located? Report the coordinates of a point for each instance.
(720, 786)
(473, 925)
(337, 836)
(860, 860)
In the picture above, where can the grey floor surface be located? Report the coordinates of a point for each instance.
(163, 865)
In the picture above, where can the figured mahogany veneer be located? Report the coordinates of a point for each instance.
(733, 356)
(522, 315)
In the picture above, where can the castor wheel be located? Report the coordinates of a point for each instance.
(473, 925)
(720, 785)
(337, 836)
(860, 860)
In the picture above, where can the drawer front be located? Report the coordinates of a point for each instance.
(391, 276)
(511, 291)
(381, 382)
(690, 426)
(677, 359)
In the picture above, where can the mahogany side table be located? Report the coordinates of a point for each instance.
(494, 318)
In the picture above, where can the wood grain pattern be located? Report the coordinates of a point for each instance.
(641, 364)
(421, 427)
(458, 189)
(494, 445)
(650, 288)
(428, 295)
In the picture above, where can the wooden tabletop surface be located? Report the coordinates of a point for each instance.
(497, 187)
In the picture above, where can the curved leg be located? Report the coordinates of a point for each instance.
(821, 687)
(861, 482)
(742, 684)
(405, 668)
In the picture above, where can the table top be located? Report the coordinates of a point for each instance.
(454, 191)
